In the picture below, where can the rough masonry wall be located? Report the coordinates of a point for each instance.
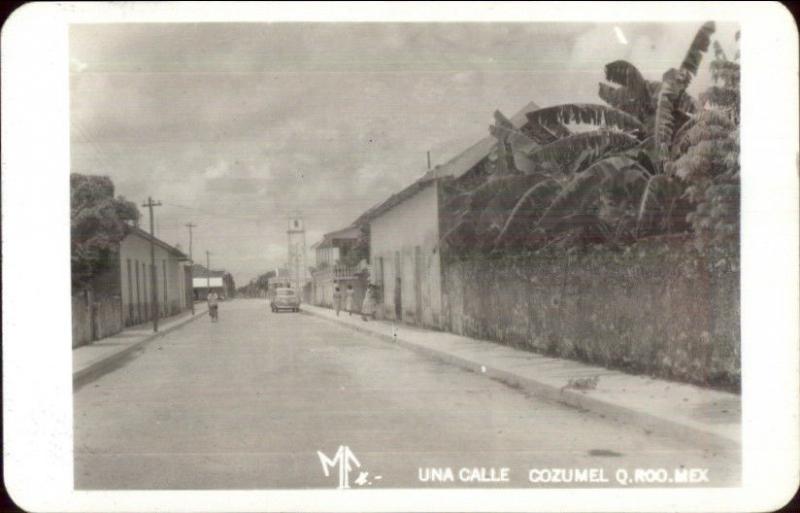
(660, 308)
(97, 311)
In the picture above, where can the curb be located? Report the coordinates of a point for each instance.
(580, 400)
(105, 365)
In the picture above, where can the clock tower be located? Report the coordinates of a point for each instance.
(297, 264)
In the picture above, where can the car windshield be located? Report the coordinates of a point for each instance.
(285, 292)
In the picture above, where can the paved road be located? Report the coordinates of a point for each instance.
(247, 402)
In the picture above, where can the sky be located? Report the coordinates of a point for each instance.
(235, 126)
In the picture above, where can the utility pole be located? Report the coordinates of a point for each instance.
(153, 283)
(429, 160)
(208, 272)
(191, 261)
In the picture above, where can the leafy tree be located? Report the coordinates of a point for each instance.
(98, 224)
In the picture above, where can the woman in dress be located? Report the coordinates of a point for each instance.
(368, 307)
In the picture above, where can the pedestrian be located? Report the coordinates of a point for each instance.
(213, 306)
(348, 299)
(337, 299)
(368, 307)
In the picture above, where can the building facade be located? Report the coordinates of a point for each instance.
(137, 278)
(405, 257)
(334, 267)
(405, 238)
(204, 281)
(123, 295)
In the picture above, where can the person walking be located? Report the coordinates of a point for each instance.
(368, 307)
(348, 299)
(337, 299)
(213, 305)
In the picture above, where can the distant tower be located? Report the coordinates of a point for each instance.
(298, 268)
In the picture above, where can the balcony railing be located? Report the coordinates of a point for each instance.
(337, 272)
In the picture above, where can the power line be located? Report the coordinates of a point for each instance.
(324, 208)
(215, 214)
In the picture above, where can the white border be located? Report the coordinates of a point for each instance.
(36, 354)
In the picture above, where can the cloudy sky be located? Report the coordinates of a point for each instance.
(234, 126)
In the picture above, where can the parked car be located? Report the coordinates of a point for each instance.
(285, 299)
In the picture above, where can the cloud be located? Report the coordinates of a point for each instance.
(234, 126)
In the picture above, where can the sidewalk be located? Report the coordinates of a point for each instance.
(686, 411)
(93, 360)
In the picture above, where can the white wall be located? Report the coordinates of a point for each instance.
(203, 283)
(135, 249)
(395, 235)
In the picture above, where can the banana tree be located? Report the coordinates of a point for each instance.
(610, 181)
(619, 174)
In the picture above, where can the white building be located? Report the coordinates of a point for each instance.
(136, 278)
(405, 255)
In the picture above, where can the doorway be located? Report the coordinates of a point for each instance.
(398, 299)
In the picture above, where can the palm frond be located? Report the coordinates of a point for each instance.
(583, 113)
(699, 46)
(664, 123)
(658, 199)
(529, 207)
(581, 189)
(626, 74)
(633, 95)
(622, 99)
(583, 146)
(471, 214)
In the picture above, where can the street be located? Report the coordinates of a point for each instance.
(247, 402)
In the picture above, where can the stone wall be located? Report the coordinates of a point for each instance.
(95, 317)
(660, 307)
(97, 308)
